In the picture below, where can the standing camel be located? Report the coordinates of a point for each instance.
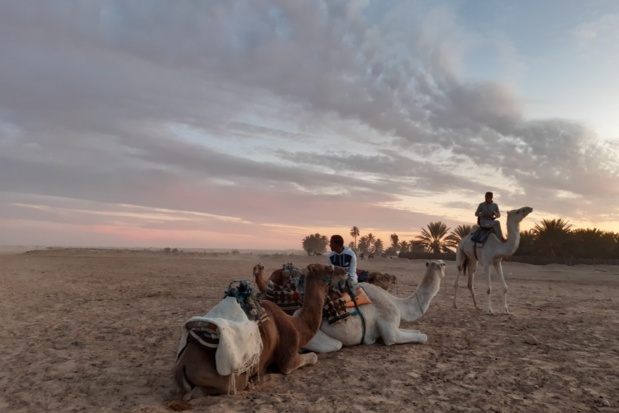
(490, 255)
(197, 372)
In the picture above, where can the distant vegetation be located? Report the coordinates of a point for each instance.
(554, 239)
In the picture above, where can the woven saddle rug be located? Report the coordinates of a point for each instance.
(227, 328)
(289, 296)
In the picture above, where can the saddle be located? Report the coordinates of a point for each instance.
(338, 302)
(289, 296)
(481, 235)
(208, 334)
(286, 296)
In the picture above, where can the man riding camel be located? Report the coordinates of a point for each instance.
(487, 214)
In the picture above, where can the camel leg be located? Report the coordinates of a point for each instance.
(298, 361)
(455, 305)
(488, 270)
(323, 343)
(471, 283)
(499, 269)
(402, 336)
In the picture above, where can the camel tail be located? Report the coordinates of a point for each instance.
(461, 260)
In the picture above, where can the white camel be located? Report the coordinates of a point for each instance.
(490, 255)
(381, 318)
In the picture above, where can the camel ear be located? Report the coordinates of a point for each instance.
(427, 263)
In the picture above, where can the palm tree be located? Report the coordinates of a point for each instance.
(434, 239)
(527, 243)
(354, 232)
(378, 246)
(551, 235)
(370, 240)
(461, 231)
(395, 242)
(404, 246)
(364, 246)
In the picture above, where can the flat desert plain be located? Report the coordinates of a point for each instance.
(88, 330)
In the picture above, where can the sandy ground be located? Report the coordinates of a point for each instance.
(98, 331)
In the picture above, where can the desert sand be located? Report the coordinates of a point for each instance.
(87, 330)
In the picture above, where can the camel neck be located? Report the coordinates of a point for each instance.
(415, 306)
(309, 319)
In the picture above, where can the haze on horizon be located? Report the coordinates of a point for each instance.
(252, 124)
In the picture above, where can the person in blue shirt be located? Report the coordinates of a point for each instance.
(343, 256)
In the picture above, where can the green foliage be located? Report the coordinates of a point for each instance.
(315, 244)
(435, 238)
(552, 236)
(378, 247)
(364, 245)
(527, 243)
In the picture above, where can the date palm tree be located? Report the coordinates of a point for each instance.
(370, 240)
(551, 235)
(456, 235)
(354, 232)
(378, 247)
(395, 243)
(434, 238)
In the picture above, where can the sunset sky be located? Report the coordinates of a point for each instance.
(251, 124)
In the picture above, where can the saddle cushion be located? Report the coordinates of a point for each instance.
(361, 298)
(239, 346)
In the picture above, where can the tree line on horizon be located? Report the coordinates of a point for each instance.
(548, 238)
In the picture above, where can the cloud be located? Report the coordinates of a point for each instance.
(261, 110)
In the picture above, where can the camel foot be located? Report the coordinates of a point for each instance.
(301, 360)
(195, 393)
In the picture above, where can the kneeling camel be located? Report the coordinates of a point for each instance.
(195, 371)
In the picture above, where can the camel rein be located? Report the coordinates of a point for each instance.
(420, 307)
(357, 311)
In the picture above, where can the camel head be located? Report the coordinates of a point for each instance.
(436, 266)
(382, 280)
(333, 274)
(258, 269)
(519, 214)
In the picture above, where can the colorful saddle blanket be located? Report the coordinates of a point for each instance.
(337, 304)
(286, 296)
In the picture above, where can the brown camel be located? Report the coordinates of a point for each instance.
(381, 279)
(282, 336)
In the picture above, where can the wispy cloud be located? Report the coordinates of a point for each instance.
(279, 115)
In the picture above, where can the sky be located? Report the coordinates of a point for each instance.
(253, 124)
